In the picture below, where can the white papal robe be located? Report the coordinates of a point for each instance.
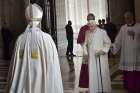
(94, 41)
(35, 64)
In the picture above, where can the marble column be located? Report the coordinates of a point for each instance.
(76, 11)
(61, 22)
(98, 8)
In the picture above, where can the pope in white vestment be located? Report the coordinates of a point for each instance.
(96, 46)
(35, 65)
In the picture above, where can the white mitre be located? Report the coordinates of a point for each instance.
(34, 13)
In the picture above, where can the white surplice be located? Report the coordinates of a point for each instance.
(35, 65)
(94, 41)
(129, 46)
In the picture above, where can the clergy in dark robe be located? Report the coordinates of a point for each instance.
(7, 39)
(69, 34)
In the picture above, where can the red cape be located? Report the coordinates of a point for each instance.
(82, 32)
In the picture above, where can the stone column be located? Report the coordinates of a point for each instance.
(61, 22)
(137, 7)
(98, 8)
(76, 10)
(1, 14)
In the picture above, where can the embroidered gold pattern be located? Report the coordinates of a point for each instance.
(34, 54)
(21, 52)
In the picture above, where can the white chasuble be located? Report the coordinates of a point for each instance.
(35, 65)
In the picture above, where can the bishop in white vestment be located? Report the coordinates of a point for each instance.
(96, 47)
(35, 65)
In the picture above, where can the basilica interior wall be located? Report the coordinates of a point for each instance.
(137, 9)
(74, 10)
(117, 10)
(12, 12)
(77, 10)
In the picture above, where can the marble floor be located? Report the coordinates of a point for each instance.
(70, 72)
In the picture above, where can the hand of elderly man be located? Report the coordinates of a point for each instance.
(99, 52)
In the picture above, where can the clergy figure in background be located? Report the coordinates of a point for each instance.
(84, 77)
(69, 34)
(128, 41)
(7, 39)
(96, 47)
(35, 64)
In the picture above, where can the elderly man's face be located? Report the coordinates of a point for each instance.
(92, 25)
(129, 19)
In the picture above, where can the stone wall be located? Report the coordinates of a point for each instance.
(137, 10)
(118, 8)
(12, 12)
